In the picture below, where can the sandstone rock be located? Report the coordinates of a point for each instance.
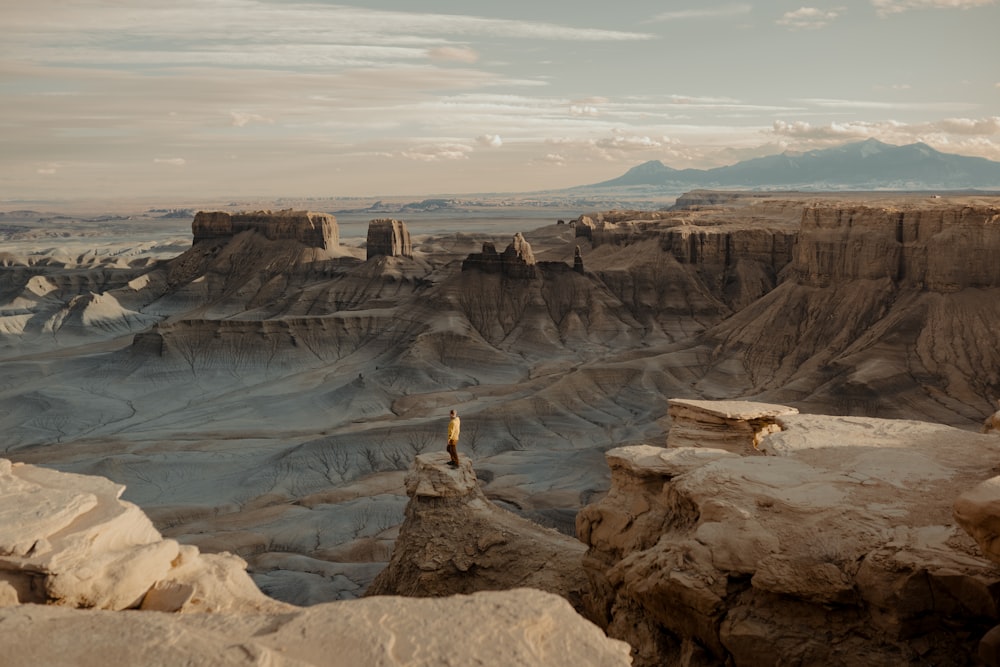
(454, 540)
(519, 627)
(992, 423)
(735, 426)
(389, 238)
(839, 548)
(978, 512)
(317, 230)
(69, 540)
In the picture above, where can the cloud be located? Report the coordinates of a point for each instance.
(554, 159)
(583, 110)
(807, 18)
(242, 118)
(836, 131)
(172, 161)
(462, 54)
(45, 171)
(971, 126)
(887, 106)
(965, 136)
(490, 140)
(887, 7)
(630, 143)
(711, 13)
(437, 152)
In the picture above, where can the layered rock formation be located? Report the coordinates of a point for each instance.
(734, 426)
(454, 540)
(879, 306)
(839, 548)
(388, 238)
(516, 261)
(68, 541)
(316, 230)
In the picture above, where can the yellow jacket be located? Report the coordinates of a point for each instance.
(454, 426)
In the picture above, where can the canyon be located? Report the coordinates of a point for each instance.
(268, 393)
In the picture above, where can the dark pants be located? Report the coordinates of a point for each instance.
(453, 451)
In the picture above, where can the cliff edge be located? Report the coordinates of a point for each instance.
(839, 547)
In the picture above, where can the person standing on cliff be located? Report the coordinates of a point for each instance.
(454, 426)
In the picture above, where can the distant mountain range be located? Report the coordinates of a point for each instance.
(865, 165)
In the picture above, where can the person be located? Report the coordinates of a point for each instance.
(454, 426)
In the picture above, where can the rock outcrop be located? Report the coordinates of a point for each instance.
(992, 423)
(839, 548)
(316, 230)
(103, 578)
(454, 540)
(516, 261)
(388, 238)
(735, 426)
(69, 540)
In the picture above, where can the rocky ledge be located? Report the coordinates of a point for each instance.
(68, 541)
(837, 548)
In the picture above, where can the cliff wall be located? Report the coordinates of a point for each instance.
(939, 249)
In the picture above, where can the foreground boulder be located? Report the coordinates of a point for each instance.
(69, 540)
(839, 548)
(454, 540)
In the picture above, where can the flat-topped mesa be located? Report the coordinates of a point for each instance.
(316, 230)
(388, 238)
(735, 426)
(516, 261)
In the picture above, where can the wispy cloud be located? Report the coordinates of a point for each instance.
(461, 54)
(886, 106)
(432, 152)
(704, 13)
(172, 161)
(887, 7)
(808, 18)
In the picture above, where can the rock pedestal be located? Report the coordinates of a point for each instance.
(388, 238)
(454, 540)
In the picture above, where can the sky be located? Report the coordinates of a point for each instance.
(206, 98)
